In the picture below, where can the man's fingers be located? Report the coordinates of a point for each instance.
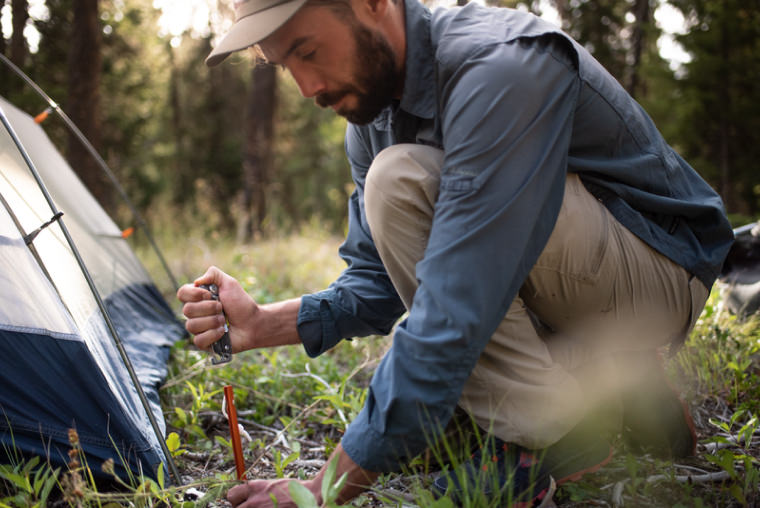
(212, 276)
(200, 325)
(203, 308)
(238, 494)
(192, 293)
(204, 340)
(258, 494)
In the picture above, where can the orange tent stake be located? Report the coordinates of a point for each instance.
(237, 447)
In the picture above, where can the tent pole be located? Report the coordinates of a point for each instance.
(101, 305)
(94, 153)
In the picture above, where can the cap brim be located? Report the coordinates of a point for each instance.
(251, 29)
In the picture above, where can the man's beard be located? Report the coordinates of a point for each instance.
(376, 78)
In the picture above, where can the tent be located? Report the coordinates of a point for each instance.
(64, 362)
(740, 277)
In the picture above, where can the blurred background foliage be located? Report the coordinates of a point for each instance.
(235, 151)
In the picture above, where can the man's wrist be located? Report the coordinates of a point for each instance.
(275, 323)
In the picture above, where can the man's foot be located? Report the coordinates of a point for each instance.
(518, 477)
(582, 450)
(655, 418)
(497, 472)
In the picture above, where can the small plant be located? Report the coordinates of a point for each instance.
(740, 467)
(330, 490)
(280, 462)
(31, 482)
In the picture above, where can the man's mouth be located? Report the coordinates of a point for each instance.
(330, 99)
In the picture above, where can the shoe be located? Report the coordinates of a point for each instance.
(496, 473)
(581, 451)
(656, 419)
(518, 477)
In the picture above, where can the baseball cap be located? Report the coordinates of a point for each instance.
(254, 20)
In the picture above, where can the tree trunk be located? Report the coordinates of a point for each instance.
(20, 15)
(84, 97)
(258, 148)
(564, 11)
(178, 132)
(641, 15)
(4, 72)
(727, 186)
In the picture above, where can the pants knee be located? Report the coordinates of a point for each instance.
(404, 178)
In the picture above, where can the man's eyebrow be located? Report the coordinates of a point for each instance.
(298, 41)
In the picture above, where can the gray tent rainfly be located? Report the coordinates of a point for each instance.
(84, 333)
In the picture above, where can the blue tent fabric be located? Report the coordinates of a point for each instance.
(147, 328)
(67, 392)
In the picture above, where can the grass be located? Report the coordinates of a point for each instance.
(294, 408)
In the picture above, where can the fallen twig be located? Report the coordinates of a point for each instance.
(316, 463)
(195, 456)
(396, 494)
(617, 493)
(718, 476)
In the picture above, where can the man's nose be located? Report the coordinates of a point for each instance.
(309, 82)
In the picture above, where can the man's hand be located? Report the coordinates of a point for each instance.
(260, 493)
(204, 315)
(265, 494)
(251, 325)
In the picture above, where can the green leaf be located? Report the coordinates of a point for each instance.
(160, 475)
(51, 481)
(327, 480)
(302, 496)
(31, 464)
(290, 458)
(173, 441)
(738, 414)
(222, 441)
(334, 490)
(444, 502)
(21, 482)
(181, 414)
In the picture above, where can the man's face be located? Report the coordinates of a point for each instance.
(338, 61)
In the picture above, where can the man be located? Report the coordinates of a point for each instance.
(523, 209)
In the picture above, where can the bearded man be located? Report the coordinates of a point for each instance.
(524, 210)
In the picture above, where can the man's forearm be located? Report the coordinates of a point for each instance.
(275, 324)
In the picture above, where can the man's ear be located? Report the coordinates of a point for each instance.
(373, 8)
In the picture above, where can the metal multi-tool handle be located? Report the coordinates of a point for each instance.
(223, 347)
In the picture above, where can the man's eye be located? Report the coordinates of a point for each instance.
(309, 56)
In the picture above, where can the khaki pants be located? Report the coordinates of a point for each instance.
(597, 299)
